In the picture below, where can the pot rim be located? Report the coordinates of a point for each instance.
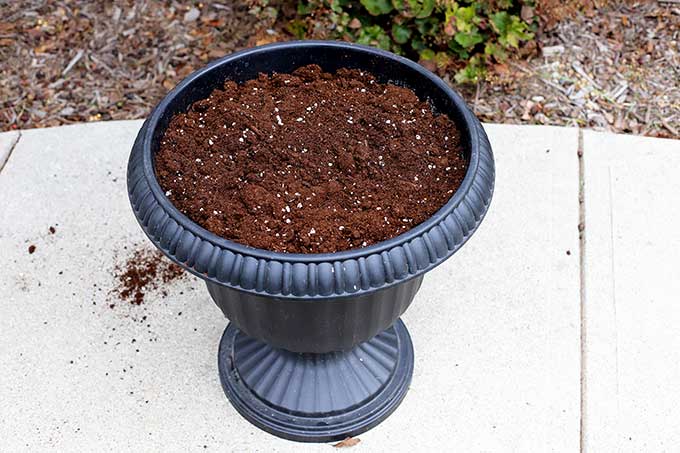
(407, 263)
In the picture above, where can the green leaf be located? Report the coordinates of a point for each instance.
(473, 72)
(493, 49)
(305, 8)
(335, 5)
(427, 54)
(466, 14)
(517, 32)
(510, 29)
(468, 40)
(297, 28)
(400, 33)
(417, 44)
(500, 22)
(377, 7)
(459, 50)
(428, 26)
(465, 18)
(422, 8)
(415, 8)
(442, 59)
(374, 35)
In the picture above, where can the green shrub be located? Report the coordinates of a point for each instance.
(464, 36)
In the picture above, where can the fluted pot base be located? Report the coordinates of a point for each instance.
(316, 397)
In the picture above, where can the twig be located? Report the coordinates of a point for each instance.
(673, 130)
(520, 67)
(73, 62)
(577, 67)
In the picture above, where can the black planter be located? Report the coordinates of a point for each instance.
(314, 351)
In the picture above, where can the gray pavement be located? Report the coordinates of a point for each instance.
(632, 293)
(496, 329)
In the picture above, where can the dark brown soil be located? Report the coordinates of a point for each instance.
(144, 271)
(31, 249)
(310, 162)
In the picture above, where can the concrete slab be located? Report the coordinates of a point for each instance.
(632, 310)
(496, 328)
(7, 142)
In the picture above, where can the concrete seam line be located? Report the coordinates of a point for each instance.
(582, 278)
(11, 150)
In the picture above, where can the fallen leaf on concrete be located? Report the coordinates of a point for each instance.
(348, 442)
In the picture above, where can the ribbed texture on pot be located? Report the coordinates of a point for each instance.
(354, 272)
(316, 384)
(286, 277)
(313, 397)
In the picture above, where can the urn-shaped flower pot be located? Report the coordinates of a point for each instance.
(315, 350)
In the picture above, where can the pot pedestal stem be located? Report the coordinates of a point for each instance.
(311, 397)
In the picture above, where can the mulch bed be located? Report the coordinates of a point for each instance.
(616, 68)
(71, 61)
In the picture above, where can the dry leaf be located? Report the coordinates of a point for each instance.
(501, 69)
(265, 40)
(348, 442)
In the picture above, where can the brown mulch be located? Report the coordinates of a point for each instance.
(614, 67)
(80, 60)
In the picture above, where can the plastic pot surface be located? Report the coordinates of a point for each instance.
(330, 306)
